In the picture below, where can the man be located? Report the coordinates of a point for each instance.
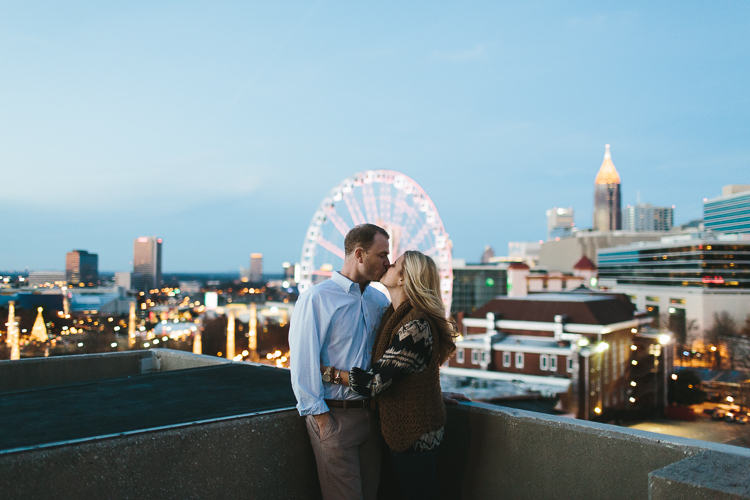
(335, 323)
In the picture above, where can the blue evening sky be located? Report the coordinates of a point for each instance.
(220, 126)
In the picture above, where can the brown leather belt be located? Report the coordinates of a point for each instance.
(348, 404)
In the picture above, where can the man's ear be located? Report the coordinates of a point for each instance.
(359, 254)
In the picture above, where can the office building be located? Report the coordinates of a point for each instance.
(147, 261)
(82, 268)
(476, 284)
(687, 278)
(730, 212)
(129, 281)
(562, 255)
(487, 255)
(46, 279)
(521, 251)
(607, 196)
(560, 223)
(646, 217)
(256, 268)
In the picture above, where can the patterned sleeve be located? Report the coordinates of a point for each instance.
(410, 352)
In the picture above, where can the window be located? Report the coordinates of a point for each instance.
(569, 362)
(474, 357)
(677, 301)
(552, 363)
(519, 360)
(652, 298)
(486, 357)
(544, 362)
(506, 359)
(460, 355)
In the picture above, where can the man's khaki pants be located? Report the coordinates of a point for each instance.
(348, 453)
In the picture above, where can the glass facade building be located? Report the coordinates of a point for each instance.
(646, 217)
(475, 285)
(728, 214)
(708, 264)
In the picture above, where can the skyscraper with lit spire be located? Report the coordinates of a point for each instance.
(607, 196)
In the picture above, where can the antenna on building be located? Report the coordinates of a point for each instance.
(638, 197)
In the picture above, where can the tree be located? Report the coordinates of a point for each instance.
(745, 331)
(723, 327)
(686, 389)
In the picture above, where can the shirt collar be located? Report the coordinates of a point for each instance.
(345, 283)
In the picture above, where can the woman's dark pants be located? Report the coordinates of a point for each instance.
(416, 474)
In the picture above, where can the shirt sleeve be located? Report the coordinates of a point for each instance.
(305, 339)
(410, 352)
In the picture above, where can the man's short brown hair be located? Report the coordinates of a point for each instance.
(362, 236)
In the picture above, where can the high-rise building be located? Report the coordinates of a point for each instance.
(487, 255)
(560, 222)
(256, 267)
(147, 260)
(730, 212)
(82, 268)
(607, 196)
(646, 217)
(129, 281)
(685, 277)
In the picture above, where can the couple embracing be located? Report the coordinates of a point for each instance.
(363, 367)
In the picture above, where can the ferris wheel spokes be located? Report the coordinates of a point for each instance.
(353, 206)
(371, 208)
(330, 247)
(337, 221)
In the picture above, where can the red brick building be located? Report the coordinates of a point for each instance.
(578, 342)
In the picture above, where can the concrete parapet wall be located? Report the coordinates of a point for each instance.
(34, 373)
(265, 456)
(492, 452)
(488, 452)
(172, 359)
(711, 474)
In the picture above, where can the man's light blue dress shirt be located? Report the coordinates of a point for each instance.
(333, 323)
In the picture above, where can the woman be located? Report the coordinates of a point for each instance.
(414, 339)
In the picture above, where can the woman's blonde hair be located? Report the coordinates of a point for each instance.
(422, 288)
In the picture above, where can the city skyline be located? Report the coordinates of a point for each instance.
(121, 121)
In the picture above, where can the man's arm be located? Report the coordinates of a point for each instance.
(305, 340)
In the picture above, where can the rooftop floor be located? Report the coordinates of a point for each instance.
(50, 415)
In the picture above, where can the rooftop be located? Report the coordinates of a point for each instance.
(230, 453)
(581, 306)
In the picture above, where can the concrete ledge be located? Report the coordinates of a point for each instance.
(264, 456)
(708, 475)
(34, 373)
(171, 359)
(489, 450)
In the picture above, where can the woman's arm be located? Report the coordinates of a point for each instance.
(410, 352)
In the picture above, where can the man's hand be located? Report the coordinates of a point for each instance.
(453, 398)
(322, 420)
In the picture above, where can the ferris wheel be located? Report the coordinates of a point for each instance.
(389, 199)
